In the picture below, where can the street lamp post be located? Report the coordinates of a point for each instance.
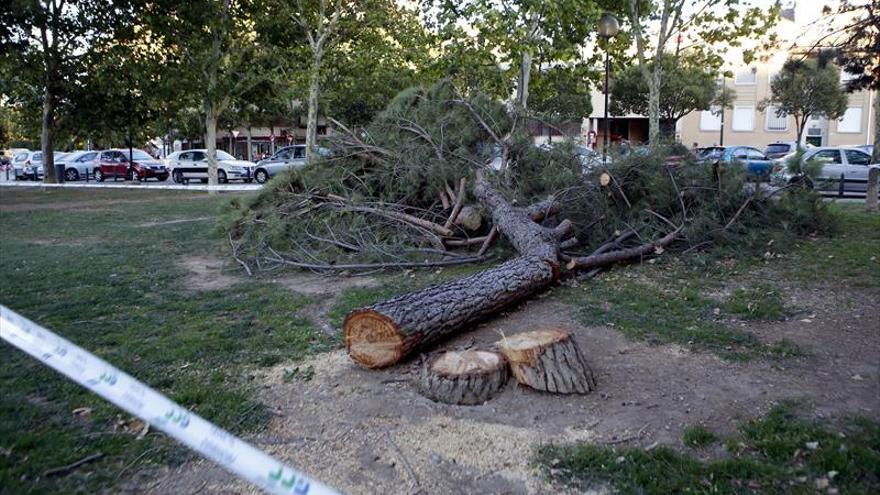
(235, 134)
(607, 27)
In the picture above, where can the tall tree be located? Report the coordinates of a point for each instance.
(210, 50)
(807, 88)
(708, 23)
(688, 84)
(43, 46)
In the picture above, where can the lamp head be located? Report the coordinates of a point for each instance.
(607, 27)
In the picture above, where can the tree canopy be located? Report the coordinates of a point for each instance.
(807, 88)
(687, 85)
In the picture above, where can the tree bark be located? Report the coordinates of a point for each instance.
(47, 136)
(466, 378)
(211, 146)
(548, 360)
(314, 96)
(525, 76)
(383, 334)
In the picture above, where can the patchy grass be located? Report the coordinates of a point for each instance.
(698, 436)
(679, 315)
(669, 301)
(123, 298)
(762, 303)
(777, 454)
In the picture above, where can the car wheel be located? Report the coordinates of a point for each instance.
(99, 176)
(261, 176)
(71, 175)
(177, 177)
(801, 182)
(221, 177)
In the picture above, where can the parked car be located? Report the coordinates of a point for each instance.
(755, 162)
(193, 164)
(28, 165)
(77, 164)
(850, 163)
(284, 158)
(114, 163)
(867, 148)
(780, 149)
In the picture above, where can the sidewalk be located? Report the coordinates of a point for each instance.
(131, 185)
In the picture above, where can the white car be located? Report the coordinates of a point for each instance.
(28, 165)
(193, 164)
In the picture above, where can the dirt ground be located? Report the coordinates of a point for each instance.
(367, 432)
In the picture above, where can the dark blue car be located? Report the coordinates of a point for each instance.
(755, 162)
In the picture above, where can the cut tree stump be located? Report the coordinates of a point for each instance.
(548, 360)
(384, 333)
(466, 377)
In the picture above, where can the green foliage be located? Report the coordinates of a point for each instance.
(698, 436)
(688, 84)
(807, 88)
(773, 455)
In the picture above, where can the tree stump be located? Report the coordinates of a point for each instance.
(468, 377)
(548, 360)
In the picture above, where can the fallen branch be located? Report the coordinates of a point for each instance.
(622, 254)
(459, 200)
(70, 467)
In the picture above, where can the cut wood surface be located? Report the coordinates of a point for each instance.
(464, 377)
(384, 333)
(548, 360)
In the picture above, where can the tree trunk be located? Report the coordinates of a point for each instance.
(47, 136)
(525, 76)
(548, 360)
(467, 378)
(211, 146)
(654, 107)
(314, 94)
(383, 334)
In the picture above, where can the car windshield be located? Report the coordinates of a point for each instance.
(224, 156)
(138, 155)
(777, 148)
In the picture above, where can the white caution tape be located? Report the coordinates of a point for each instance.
(122, 389)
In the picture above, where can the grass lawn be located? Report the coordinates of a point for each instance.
(100, 279)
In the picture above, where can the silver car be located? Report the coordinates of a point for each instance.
(838, 163)
(77, 164)
(283, 159)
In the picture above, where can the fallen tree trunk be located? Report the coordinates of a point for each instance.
(384, 333)
(548, 360)
(466, 378)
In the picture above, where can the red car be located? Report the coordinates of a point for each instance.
(112, 164)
